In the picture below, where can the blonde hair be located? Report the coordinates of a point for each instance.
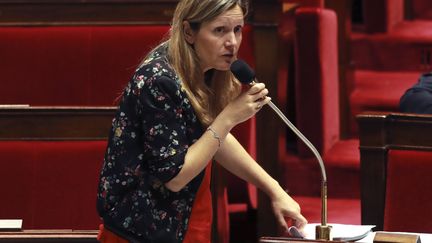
(208, 101)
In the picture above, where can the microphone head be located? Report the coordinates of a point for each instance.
(242, 71)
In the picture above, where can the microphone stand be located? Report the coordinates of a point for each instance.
(323, 231)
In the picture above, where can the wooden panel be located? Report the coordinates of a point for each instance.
(49, 236)
(74, 12)
(55, 123)
(380, 132)
(265, 19)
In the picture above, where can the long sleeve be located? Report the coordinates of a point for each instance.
(151, 133)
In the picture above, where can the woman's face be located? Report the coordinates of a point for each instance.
(217, 41)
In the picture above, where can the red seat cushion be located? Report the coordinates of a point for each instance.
(344, 154)
(379, 91)
(342, 163)
(342, 211)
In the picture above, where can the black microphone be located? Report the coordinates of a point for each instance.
(246, 75)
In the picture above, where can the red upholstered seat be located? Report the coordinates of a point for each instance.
(398, 50)
(317, 104)
(342, 164)
(317, 100)
(379, 91)
(51, 185)
(71, 65)
(408, 191)
(77, 65)
(382, 16)
(311, 206)
(344, 154)
(389, 62)
(307, 3)
(422, 9)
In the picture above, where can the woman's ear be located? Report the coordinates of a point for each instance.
(188, 33)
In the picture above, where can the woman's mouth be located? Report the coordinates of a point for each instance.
(228, 55)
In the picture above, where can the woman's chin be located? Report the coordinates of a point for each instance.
(223, 67)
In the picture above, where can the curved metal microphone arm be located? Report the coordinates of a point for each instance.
(302, 137)
(246, 75)
(323, 230)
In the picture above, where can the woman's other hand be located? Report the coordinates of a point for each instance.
(285, 207)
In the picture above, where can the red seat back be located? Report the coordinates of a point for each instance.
(71, 65)
(382, 16)
(408, 191)
(317, 81)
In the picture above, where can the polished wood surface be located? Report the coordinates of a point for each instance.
(55, 123)
(84, 12)
(390, 237)
(379, 132)
(49, 236)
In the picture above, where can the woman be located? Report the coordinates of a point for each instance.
(175, 116)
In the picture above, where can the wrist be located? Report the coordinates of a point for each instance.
(276, 191)
(224, 120)
(218, 129)
(223, 124)
(215, 135)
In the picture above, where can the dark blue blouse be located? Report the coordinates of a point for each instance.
(151, 133)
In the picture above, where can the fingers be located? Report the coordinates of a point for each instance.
(300, 222)
(247, 103)
(255, 88)
(282, 222)
(258, 95)
(261, 102)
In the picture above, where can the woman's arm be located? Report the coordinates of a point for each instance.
(235, 159)
(202, 151)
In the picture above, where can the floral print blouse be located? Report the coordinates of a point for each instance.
(151, 133)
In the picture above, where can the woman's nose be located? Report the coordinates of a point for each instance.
(231, 40)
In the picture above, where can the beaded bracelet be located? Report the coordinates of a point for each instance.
(215, 135)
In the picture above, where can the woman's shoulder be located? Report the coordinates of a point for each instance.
(156, 66)
(155, 77)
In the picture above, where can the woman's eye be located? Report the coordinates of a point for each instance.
(219, 29)
(238, 29)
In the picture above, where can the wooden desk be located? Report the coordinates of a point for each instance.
(49, 236)
(380, 132)
(368, 239)
(55, 123)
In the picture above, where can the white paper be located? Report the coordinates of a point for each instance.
(10, 224)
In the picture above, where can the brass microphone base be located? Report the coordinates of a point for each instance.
(323, 232)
